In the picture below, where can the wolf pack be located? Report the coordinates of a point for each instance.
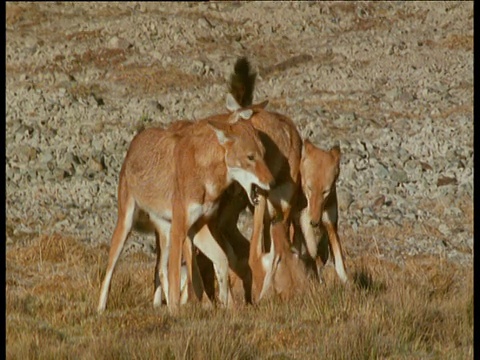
(188, 183)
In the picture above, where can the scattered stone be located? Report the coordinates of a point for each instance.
(453, 211)
(378, 203)
(411, 165)
(444, 180)
(344, 199)
(425, 166)
(26, 153)
(95, 165)
(346, 120)
(62, 174)
(118, 43)
(393, 94)
(97, 144)
(98, 99)
(444, 229)
(204, 22)
(404, 126)
(156, 106)
(399, 175)
(381, 171)
(368, 211)
(45, 157)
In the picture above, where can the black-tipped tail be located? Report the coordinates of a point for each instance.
(242, 82)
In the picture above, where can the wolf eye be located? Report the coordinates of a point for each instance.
(251, 157)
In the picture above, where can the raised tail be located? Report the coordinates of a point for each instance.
(242, 82)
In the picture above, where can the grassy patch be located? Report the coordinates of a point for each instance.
(421, 309)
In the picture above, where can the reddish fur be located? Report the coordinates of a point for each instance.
(168, 170)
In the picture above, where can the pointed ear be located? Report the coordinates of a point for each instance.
(236, 115)
(262, 105)
(232, 104)
(221, 130)
(245, 114)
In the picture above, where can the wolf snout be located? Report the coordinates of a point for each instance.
(267, 186)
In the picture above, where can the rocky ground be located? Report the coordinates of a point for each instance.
(391, 82)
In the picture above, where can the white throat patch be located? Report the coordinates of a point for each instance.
(246, 179)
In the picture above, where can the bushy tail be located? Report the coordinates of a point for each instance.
(242, 82)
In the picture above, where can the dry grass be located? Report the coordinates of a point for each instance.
(423, 309)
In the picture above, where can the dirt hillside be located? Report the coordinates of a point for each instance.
(390, 82)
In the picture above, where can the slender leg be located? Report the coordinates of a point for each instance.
(336, 249)
(177, 238)
(284, 267)
(157, 297)
(323, 252)
(256, 248)
(236, 247)
(207, 244)
(120, 234)
(264, 265)
(184, 285)
(208, 275)
(161, 268)
(330, 221)
(308, 233)
(194, 278)
(239, 265)
(224, 229)
(162, 238)
(313, 243)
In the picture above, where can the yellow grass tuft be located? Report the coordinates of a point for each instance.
(423, 308)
